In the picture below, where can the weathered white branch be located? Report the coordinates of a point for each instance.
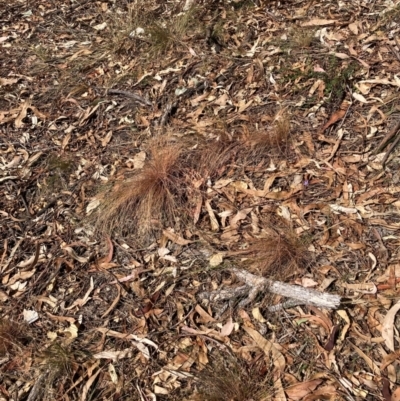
(256, 284)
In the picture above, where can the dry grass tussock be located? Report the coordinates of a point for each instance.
(277, 252)
(13, 336)
(162, 36)
(58, 364)
(215, 159)
(274, 141)
(227, 378)
(162, 193)
(165, 192)
(154, 195)
(61, 360)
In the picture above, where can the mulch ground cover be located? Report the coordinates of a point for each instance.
(163, 165)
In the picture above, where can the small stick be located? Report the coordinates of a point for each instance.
(387, 138)
(391, 147)
(167, 113)
(131, 95)
(395, 53)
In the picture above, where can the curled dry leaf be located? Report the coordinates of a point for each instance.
(343, 209)
(30, 316)
(73, 254)
(388, 326)
(213, 219)
(227, 328)
(360, 98)
(258, 316)
(319, 22)
(343, 314)
(138, 160)
(365, 288)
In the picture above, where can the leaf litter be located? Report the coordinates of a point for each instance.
(152, 152)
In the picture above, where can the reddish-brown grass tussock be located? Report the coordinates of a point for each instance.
(214, 159)
(227, 378)
(273, 141)
(153, 197)
(277, 253)
(163, 193)
(12, 337)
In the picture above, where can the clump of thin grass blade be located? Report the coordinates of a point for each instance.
(165, 33)
(59, 363)
(215, 158)
(228, 378)
(275, 139)
(154, 197)
(161, 37)
(13, 336)
(59, 359)
(277, 252)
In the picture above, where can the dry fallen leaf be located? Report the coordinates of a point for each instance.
(300, 390)
(216, 259)
(267, 347)
(227, 328)
(319, 22)
(359, 97)
(396, 394)
(176, 238)
(388, 326)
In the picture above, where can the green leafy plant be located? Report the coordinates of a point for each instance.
(336, 78)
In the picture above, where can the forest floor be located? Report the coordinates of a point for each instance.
(151, 149)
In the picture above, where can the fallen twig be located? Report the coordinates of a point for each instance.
(388, 137)
(131, 95)
(256, 284)
(391, 147)
(167, 113)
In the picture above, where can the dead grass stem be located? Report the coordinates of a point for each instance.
(214, 158)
